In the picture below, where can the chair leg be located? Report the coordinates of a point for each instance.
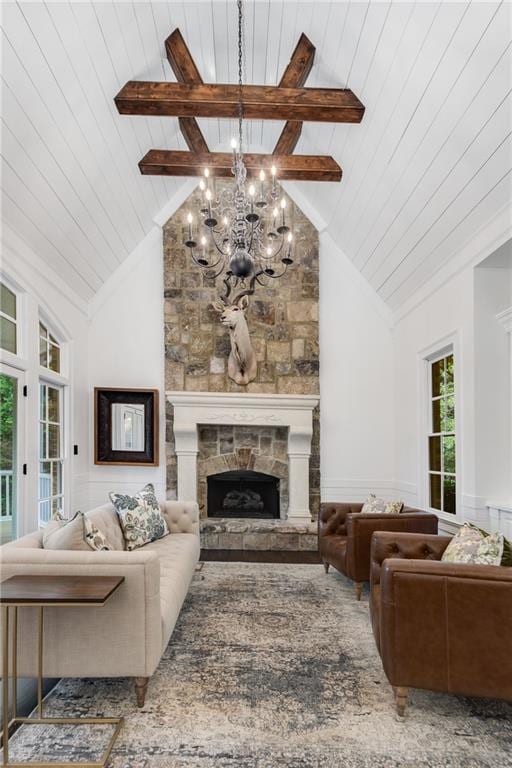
(326, 566)
(401, 696)
(141, 686)
(359, 589)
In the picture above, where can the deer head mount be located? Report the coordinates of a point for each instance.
(242, 365)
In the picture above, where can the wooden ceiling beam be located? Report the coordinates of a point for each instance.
(185, 70)
(260, 102)
(295, 76)
(159, 162)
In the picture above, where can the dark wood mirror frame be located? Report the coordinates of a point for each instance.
(104, 398)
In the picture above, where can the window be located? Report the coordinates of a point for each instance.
(8, 325)
(51, 453)
(441, 440)
(49, 350)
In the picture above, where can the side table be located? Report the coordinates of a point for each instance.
(55, 592)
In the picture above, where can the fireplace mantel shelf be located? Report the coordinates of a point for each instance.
(292, 411)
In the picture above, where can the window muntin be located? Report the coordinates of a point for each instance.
(441, 439)
(49, 350)
(51, 452)
(8, 320)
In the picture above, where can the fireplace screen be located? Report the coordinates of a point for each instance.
(243, 493)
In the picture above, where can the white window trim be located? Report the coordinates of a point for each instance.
(445, 345)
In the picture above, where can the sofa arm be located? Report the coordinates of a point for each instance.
(181, 516)
(360, 529)
(447, 626)
(124, 637)
(332, 519)
(417, 546)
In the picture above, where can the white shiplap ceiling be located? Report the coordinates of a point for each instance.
(427, 168)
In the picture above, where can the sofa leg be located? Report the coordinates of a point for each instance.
(141, 686)
(401, 696)
(326, 566)
(359, 589)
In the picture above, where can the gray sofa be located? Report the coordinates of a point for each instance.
(127, 636)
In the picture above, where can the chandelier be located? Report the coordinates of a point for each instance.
(242, 232)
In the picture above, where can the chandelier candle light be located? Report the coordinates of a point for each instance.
(243, 231)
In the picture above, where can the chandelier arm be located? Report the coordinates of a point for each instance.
(276, 277)
(212, 237)
(196, 262)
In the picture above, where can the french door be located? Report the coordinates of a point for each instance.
(12, 450)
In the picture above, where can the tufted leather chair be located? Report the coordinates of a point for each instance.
(344, 536)
(439, 626)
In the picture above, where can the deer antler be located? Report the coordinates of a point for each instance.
(225, 295)
(250, 290)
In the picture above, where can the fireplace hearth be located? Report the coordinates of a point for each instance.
(243, 493)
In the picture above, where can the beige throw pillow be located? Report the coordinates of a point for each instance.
(65, 534)
(471, 545)
(374, 505)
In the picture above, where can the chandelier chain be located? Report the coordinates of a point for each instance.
(240, 74)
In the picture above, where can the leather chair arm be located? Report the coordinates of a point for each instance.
(447, 626)
(360, 529)
(332, 519)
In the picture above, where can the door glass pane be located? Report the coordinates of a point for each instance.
(449, 494)
(7, 301)
(54, 358)
(43, 353)
(449, 454)
(53, 441)
(435, 491)
(53, 404)
(8, 335)
(434, 445)
(8, 463)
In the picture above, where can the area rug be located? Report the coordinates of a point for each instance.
(273, 666)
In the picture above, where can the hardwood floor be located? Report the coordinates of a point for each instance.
(259, 556)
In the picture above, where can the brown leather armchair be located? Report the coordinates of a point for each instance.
(344, 536)
(440, 626)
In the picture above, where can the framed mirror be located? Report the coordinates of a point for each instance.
(125, 426)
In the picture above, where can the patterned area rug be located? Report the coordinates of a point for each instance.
(273, 666)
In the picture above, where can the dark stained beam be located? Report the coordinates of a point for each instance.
(185, 70)
(299, 66)
(160, 162)
(260, 102)
(295, 76)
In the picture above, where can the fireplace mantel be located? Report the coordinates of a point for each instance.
(292, 411)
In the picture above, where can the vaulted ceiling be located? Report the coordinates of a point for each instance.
(428, 167)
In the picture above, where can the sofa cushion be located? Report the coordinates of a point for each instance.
(140, 516)
(178, 555)
(106, 520)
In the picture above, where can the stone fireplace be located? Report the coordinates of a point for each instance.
(270, 426)
(212, 437)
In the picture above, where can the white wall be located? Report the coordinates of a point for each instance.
(126, 349)
(356, 383)
(463, 309)
(42, 290)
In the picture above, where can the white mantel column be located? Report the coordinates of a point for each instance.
(186, 448)
(299, 452)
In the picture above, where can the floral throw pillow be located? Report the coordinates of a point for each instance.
(95, 538)
(140, 517)
(375, 505)
(471, 545)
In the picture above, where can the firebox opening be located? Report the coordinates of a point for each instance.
(243, 493)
